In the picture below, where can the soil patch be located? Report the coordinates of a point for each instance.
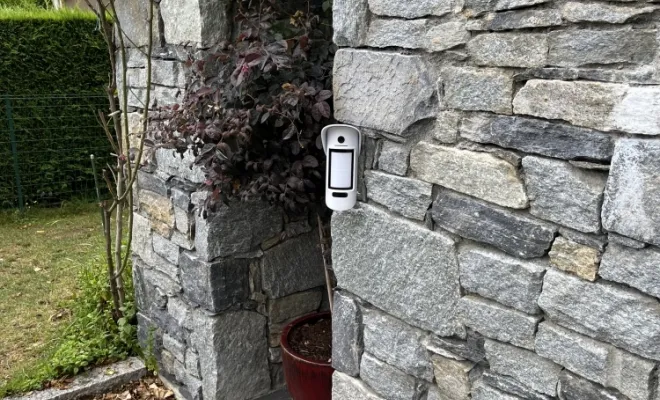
(313, 340)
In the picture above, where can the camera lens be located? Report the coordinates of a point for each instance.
(341, 139)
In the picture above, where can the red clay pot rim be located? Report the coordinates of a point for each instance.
(284, 339)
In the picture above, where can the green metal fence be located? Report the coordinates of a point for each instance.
(45, 144)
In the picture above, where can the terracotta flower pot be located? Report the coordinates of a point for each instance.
(306, 379)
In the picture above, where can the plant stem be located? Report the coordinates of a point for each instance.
(324, 248)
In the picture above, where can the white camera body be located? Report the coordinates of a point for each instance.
(341, 144)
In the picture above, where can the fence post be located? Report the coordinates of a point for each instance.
(14, 152)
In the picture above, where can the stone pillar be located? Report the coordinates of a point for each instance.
(507, 245)
(213, 292)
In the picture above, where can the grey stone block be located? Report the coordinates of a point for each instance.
(184, 221)
(572, 387)
(598, 12)
(472, 348)
(603, 106)
(134, 15)
(498, 322)
(632, 197)
(625, 241)
(480, 175)
(206, 23)
(507, 280)
(149, 334)
(180, 311)
(584, 47)
(176, 348)
(350, 19)
(519, 19)
(475, 125)
(452, 377)
(146, 294)
(388, 381)
(562, 74)
(524, 50)
(446, 127)
(217, 285)
(394, 158)
(422, 8)
(180, 165)
(153, 183)
(602, 363)
(614, 314)
(512, 157)
(408, 197)
(482, 391)
(434, 393)
(478, 7)
(166, 249)
(397, 344)
(346, 388)
(426, 34)
(181, 198)
(383, 91)
(192, 363)
(634, 267)
(515, 233)
(444, 36)
(409, 34)
(293, 266)
(416, 268)
(477, 89)
(239, 362)
(95, 382)
(562, 193)
(525, 366)
(168, 73)
(546, 138)
(578, 353)
(165, 283)
(235, 229)
(160, 96)
(185, 241)
(295, 305)
(508, 384)
(347, 344)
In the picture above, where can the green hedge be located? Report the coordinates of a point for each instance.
(53, 67)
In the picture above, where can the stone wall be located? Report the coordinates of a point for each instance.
(506, 242)
(214, 291)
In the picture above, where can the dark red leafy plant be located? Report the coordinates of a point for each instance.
(254, 108)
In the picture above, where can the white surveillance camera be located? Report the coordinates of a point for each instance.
(341, 144)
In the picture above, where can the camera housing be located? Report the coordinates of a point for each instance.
(341, 144)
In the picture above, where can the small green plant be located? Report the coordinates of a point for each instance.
(92, 338)
(149, 352)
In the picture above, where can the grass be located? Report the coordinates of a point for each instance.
(32, 12)
(41, 256)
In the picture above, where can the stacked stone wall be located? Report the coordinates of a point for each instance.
(214, 290)
(506, 245)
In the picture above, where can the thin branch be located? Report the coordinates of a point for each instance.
(328, 281)
(106, 128)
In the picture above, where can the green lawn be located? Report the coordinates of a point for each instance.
(41, 255)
